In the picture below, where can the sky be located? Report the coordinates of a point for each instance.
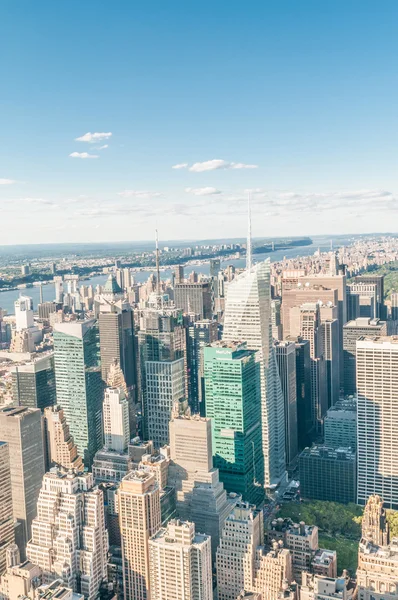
(120, 117)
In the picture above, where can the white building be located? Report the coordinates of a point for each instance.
(248, 317)
(23, 313)
(180, 563)
(116, 420)
(377, 413)
(69, 539)
(243, 532)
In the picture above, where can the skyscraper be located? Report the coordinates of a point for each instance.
(233, 403)
(7, 535)
(199, 335)
(367, 299)
(140, 519)
(33, 383)
(200, 496)
(180, 563)
(116, 420)
(377, 409)
(23, 313)
(378, 281)
(21, 428)
(352, 331)
(286, 359)
(78, 383)
(242, 533)
(61, 450)
(248, 318)
(116, 331)
(305, 417)
(69, 539)
(194, 297)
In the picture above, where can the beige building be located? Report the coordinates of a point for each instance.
(6, 514)
(139, 519)
(200, 496)
(60, 447)
(21, 428)
(69, 539)
(315, 587)
(180, 563)
(18, 580)
(377, 574)
(115, 411)
(242, 533)
(273, 569)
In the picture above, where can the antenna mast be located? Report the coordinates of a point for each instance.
(249, 237)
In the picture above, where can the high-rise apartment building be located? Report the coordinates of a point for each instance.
(61, 451)
(79, 384)
(7, 535)
(116, 331)
(377, 574)
(21, 428)
(242, 533)
(233, 403)
(286, 359)
(180, 563)
(352, 331)
(200, 496)
(69, 540)
(116, 420)
(377, 410)
(33, 383)
(140, 519)
(248, 318)
(194, 298)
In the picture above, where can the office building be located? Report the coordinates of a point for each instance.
(324, 563)
(300, 539)
(7, 535)
(352, 331)
(305, 417)
(296, 296)
(353, 310)
(377, 573)
(116, 420)
(394, 306)
(378, 281)
(180, 563)
(242, 533)
(200, 496)
(215, 267)
(377, 413)
(276, 321)
(78, 383)
(233, 403)
(318, 587)
(340, 425)
(178, 274)
(116, 331)
(23, 313)
(61, 451)
(272, 568)
(286, 359)
(139, 519)
(20, 578)
(45, 309)
(21, 428)
(328, 474)
(195, 298)
(69, 540)
(199, 334)
(331, 351)
(248, 318)
(33, 383)
(367, 299)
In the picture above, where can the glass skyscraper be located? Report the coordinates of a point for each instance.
(79, 384)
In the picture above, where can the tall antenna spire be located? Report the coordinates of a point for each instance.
(157, 265)
(249, 237)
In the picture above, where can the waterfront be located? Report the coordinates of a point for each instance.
(7, 298)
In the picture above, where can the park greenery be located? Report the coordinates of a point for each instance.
(390, 272)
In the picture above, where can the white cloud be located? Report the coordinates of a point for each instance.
(180, 166)
(216, 164)
(38, 201)
(91, 138)
(204, 191)
(141, 194)
(83, 155)
(7, 181)
(103, 147)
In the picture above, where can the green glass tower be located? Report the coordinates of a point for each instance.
(233, 402)
(79, 384)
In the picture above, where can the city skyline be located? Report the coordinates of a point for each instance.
(262, 100)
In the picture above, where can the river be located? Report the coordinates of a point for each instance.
(7, 298)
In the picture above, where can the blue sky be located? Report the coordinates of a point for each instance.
(295, 101)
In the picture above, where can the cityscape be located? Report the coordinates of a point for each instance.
(198, 300)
